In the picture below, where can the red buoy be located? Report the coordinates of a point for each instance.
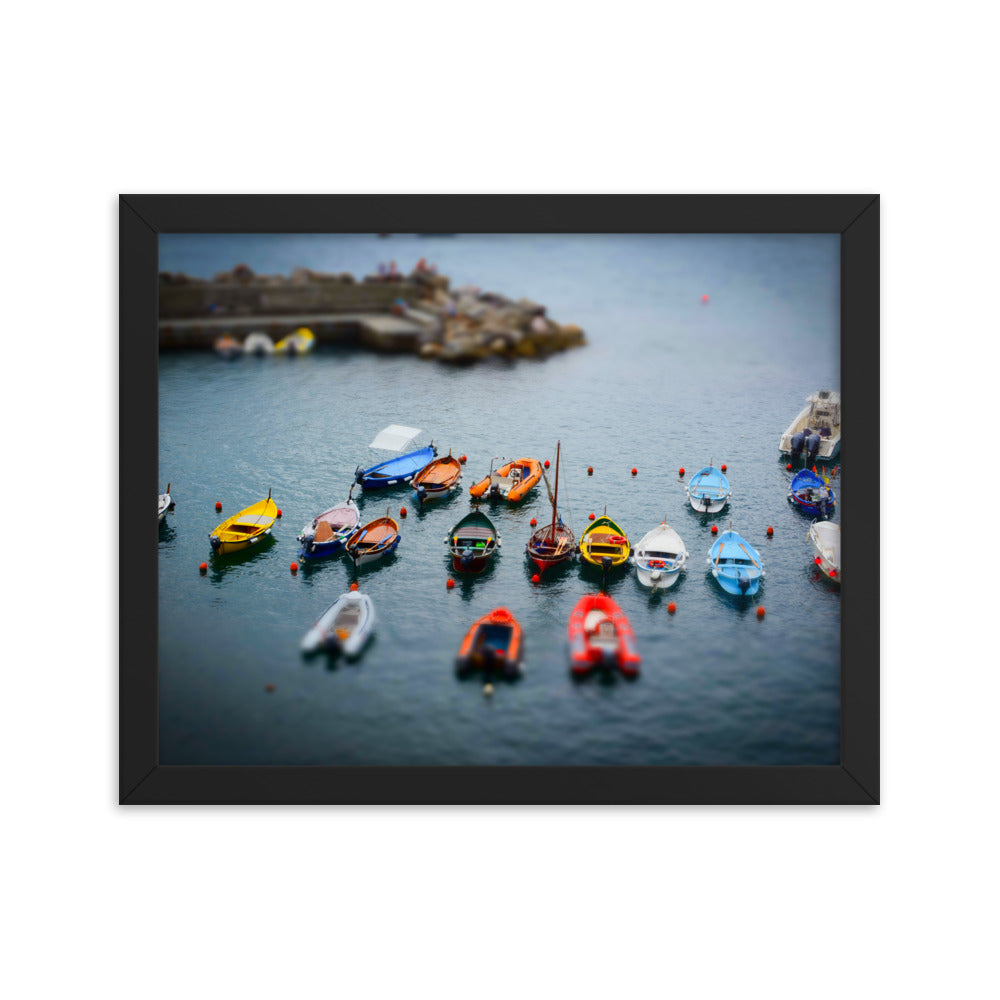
(533, 522)
(203, 567)
(402, 512)
(354, 586)
(704, 300)
(546, 463)
(590, 470)
(770, 531)
(279, 512)
(671, 607)
(535, 578)
(680, 471)
(462, 460)
(789, 467)
(723, 466)
(591, 517)
(269, 688)
(635, 471)
(294, 567)
(814, 470)
(218, 505)
(817, 560)
(760, 612)
(715, 529)
(450, 583)
(833, 572)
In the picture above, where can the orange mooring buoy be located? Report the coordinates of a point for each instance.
(218, 505)
(294, 567)
(635, 471)
(402, 512)
(817, 560)
(704, 300)
(203, 567)
(680, 471)
(535, 578)
(462, 460)
(269, 688)
(723, 466)
(770, 531)
(671, 607)
(546, 463)
(533, 522)
(279, 512)
(760, 612)
(590, 470)
(354, 586)
(450, 583)
(715, 529)
(591, 517)
(788, 467)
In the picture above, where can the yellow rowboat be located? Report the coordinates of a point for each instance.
(245, 528)
(605, 540)
(299, 342)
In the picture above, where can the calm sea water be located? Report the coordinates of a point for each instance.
(666, 381)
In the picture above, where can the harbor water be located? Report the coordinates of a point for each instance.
(666, 381)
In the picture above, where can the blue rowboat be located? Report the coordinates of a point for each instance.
(325, 535)
(812, 494)
(736, 564)
(399, 470)
(708, 491)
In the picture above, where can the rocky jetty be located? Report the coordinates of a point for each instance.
(429, 318)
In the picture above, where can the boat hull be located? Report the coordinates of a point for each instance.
(472, 543)
(604, 539)
(385, 532)
(822, 413)
(825, 538)
(708, 491)
(736, 565)
(395, 471)
(659, 558)
(244, 530)
(492, 645)
(547, 548)
(345, 627)
(336, 525)
(502, 485)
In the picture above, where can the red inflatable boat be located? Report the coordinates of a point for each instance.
(601, 637)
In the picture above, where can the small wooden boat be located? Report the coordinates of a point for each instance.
(708, 491)
(300, 342)
(736, 564)
(376, 539)
(600, 636)
(511, 481)
(227, 347)
(552, 543)
(659, 557)
(492, 645)
(604, 544)
(244, 529)
(437, 479)
(815, 432)
(344, 627)
(472, 543)
(399, 470)
(258, 344)
(164, 504)
(812, 493)
(825, 538)
(325, 535)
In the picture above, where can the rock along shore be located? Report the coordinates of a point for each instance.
(389, 311)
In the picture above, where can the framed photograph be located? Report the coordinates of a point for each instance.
(499, 499)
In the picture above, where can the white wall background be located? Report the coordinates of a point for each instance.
(897, 900)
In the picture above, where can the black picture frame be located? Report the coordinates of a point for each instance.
(143, 217)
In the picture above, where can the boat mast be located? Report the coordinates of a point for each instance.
(552, 530)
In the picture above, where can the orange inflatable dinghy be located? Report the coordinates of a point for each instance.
(492, 645)
(510, 482)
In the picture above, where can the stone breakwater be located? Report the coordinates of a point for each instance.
(417, 312)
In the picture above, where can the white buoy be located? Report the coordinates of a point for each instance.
(488, 691)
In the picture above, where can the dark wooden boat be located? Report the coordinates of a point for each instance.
(472, 543)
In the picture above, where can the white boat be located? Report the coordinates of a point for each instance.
(344, 627)
(258, 343)
(164, 504)
(659, 557)
(825, 538)
(815, 432)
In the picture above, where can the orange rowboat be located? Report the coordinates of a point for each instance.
(492, 645)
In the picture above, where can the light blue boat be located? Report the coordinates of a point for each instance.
(736, 564)
(399, 470)
(708, 491)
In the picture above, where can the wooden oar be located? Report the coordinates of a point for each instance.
(750, 557)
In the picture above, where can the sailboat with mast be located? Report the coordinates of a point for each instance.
(552, 543)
